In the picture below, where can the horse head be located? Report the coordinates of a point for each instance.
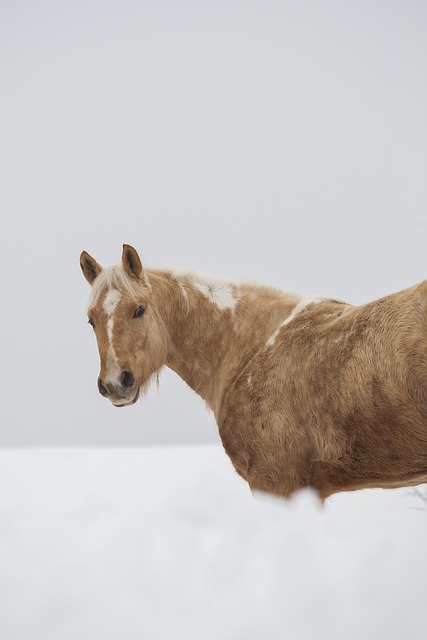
(131, 337)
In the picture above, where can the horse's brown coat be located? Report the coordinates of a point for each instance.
(336, 402)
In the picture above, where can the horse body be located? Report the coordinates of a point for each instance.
(307, 392)
(336, 404)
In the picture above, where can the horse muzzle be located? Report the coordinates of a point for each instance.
(122, 392)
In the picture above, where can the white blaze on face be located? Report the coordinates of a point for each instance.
(109, 305)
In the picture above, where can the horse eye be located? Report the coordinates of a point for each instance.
(91, 322)
(139, 312)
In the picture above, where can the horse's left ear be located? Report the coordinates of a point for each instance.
(132, 263)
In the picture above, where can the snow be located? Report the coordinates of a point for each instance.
(169, 543)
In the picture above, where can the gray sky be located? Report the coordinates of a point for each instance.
(278, 141)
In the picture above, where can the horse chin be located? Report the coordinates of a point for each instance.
(142, 390)
(128, 403)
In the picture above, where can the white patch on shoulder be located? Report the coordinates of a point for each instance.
(220, 291)
(272, 339)
(302, 304)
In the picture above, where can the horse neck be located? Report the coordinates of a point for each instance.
(214, 326)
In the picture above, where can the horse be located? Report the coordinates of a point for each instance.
(307, 392)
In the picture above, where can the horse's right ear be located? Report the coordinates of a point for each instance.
(91, 269)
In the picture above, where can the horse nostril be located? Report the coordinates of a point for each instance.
(126, 379)
(102, 390)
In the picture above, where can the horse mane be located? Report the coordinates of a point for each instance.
(114, 277)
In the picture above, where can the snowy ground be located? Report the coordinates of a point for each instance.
(169, 543)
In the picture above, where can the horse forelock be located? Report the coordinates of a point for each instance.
(114, 277)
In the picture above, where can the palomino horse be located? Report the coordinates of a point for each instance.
(307, 392)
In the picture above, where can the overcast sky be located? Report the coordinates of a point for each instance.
(279, 141)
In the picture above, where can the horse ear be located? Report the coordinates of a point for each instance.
(91, 269)
(132, 263)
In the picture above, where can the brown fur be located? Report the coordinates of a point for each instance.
(338, 402)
